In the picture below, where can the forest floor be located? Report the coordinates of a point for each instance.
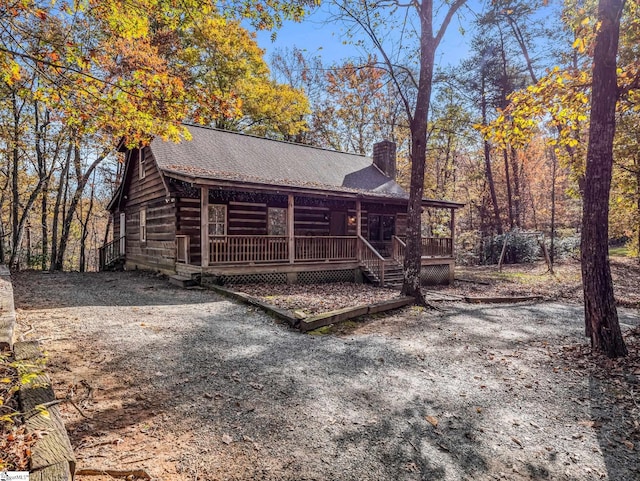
(188, 385)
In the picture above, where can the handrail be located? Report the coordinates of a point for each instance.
(110, 252)
(398, 249)
(371, 258)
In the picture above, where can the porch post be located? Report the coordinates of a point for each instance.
(452, 226)
(291, 229)
(358, 228)
(204, 226)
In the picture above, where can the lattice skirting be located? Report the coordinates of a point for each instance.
(310, 277)
(432, 275)
(266, 278)
(321, 277)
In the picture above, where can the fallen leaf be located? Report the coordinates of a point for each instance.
(517, 441)
(433, 421)
(587, 424)
(226, 439)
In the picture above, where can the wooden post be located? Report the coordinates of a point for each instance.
(453, 232)
(204, 226)
(291, 229)
(504, 249)
(358, 228)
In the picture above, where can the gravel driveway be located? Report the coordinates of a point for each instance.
(188, 385)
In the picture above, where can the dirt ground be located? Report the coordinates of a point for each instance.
(187, 385)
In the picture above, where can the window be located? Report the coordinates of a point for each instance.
(217, 219)
(143, 225)
(141, 165)
(277, 221)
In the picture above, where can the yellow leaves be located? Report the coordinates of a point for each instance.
(580, 44)
(11, 72)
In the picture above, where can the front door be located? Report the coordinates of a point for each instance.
(338, 224)
(381, 230)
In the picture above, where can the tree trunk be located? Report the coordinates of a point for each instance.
(554, 179)
(487, 163)
(517, 188)
(82, 180)
(85, 229)
(418, 126)
(507, 180)
(601, 316)
(15, 191)
(60, 198)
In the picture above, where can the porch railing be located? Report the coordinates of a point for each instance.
(371, 259)
(325, 248)
(276, 249)
(248, 249)
(437, 247)
(111, 252)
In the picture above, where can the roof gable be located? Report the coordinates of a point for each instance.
(221, 155)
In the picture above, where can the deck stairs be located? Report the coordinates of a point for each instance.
(393, 275)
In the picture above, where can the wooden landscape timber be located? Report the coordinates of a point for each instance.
(7, 310)
(52, 457)
(307, 323)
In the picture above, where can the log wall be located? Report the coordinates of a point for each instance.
(158, 251)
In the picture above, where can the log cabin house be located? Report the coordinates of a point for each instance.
(230, 207)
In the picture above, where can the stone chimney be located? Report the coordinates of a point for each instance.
(384, 157)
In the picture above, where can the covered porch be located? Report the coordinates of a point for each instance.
(293, 235)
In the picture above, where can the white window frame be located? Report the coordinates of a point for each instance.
(143, 225)
(141, 164)
(212, 224)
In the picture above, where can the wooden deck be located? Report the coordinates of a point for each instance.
(263, 255)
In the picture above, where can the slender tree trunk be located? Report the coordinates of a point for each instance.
(601, 316)
(554, 179)
(15, 171)
(517, 188)
(82, 180)
(487, 163)
(60, 197)
(507, 178)
(85, 230)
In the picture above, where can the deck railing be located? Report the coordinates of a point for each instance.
(371, 259)
(437, 247)
(258, 249)
(325, 248)
(275, 249)
(248, 249)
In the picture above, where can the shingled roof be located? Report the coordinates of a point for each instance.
(214, 154)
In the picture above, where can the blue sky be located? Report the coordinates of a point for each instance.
(319, 36)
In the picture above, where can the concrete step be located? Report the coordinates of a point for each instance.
(182, 281)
